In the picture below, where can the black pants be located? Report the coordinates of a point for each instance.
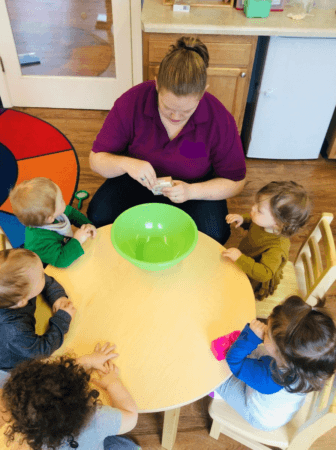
(116, 195)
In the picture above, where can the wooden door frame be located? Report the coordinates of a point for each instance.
(136, 43)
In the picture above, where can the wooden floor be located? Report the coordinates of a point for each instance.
(318, 177)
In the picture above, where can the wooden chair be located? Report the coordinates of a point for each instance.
(4, 242)
(312, 421)
(311, 275)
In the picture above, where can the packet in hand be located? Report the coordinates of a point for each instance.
(162, 183)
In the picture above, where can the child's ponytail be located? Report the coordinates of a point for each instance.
(306, 339)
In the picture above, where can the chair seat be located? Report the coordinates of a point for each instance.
(230, 420)
(287, 287)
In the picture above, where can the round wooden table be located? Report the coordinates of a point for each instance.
(161, 322)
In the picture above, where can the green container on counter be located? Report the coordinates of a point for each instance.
(257, 8)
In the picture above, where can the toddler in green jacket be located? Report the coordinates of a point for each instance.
(280, 210)
(39, 205)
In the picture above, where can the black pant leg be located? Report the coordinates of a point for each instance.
(209, 216)
(115, 196)
(118, 194)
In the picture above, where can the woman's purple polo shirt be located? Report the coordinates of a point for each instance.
(209, 139)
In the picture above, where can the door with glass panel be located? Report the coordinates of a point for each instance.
(66, 53)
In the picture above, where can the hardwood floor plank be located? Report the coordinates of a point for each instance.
(318, 176)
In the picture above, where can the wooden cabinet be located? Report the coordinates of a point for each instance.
(229, 72)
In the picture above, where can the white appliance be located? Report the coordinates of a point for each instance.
(297, 98)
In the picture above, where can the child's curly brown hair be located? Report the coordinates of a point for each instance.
(49, 401)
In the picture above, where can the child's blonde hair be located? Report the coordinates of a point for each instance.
(33, 201)
(289, 204)
(14, 280)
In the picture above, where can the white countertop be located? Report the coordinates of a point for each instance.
(159, 18)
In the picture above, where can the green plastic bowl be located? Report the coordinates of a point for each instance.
(154, 236)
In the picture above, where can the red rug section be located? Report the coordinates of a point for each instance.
(27, 137)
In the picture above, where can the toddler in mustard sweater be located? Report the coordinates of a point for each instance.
(280, 210)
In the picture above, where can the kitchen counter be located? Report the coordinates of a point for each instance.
(159, 18)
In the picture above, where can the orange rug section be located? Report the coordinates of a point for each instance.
(59, 167)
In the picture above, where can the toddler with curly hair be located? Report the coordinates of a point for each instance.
(50, 404)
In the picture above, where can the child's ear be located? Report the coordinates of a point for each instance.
(20, 304)
(50, 219)
(277, 229)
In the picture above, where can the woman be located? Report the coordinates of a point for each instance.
(170, 127)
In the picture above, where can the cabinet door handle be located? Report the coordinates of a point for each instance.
(243, 74)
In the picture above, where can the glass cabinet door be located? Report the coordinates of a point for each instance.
(63, 53)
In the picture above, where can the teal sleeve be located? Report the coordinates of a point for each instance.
(76, 218)
(63, 255)
(48, 245)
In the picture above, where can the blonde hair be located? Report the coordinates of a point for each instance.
(33, 201)
(14, 280)
(183, 70)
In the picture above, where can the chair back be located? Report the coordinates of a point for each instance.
(315, 264)
(4, 242)
(315, 407)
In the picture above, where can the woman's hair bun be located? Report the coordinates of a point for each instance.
(196, 45)
(183, 71)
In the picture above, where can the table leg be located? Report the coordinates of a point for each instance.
(170, 423)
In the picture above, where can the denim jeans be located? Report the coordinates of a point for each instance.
(120, 443)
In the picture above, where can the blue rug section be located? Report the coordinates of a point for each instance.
(8, 172)
(13, 229)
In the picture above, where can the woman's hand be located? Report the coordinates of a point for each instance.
(179, 193)
(232, 253)
(231, 218)
(141, 171)
(98, 358)
(258, 328)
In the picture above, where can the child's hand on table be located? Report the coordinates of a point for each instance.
(231, 253)
(66, 305)
(258, 328)
(99, 358)
(89, 228)
(231, 218)
(82, 234)
(111, 377)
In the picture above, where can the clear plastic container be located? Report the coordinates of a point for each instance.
(325, 4)
(277, 5)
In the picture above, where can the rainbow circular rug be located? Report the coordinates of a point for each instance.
(29, 148)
